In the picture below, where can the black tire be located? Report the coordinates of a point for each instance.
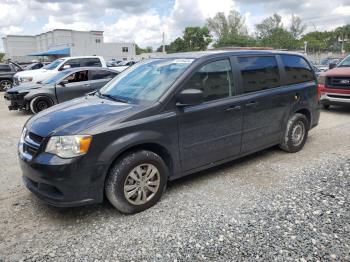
(119, 176)
(40, 103)
(5, 84)
(293, 143)
(325, 106)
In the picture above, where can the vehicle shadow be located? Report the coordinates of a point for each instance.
(338, 109)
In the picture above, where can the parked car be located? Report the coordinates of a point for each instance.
(34, 76)
(7, 72)
(165, 118)
(317, 71)
(63, 86)
(123, 65)
(113, 63)
(335, 85)
(36, 65)
(327, 63)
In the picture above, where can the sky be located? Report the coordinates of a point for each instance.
(143, 21)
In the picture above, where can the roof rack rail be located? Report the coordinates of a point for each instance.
(244, 47)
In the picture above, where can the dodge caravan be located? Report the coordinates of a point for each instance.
(165, 118)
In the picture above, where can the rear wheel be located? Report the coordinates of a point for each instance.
(40, 103)
(136, 182)
(5, 85)
(296, 134)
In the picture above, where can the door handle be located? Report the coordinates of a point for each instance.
(251, 104)
(233, 108)
(87, 85)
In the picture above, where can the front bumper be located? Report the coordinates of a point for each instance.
(15, 101)
(335, 99)
(63, 182)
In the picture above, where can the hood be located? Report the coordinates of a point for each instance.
(78, 115)
(338, 71)
(32, 72)
(24, 87)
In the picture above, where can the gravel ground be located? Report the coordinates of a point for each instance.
(268, 206)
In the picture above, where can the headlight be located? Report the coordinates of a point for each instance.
(25, 79)
(68, 146)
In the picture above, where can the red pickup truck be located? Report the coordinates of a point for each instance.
(334, 85)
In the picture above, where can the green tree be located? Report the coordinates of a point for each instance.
(320, 41)
(230, 30)
(2, 56)
(140, 50)
(268, 26)
(297, 27)
(193, 39)
(271, 32)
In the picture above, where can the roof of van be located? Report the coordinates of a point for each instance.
(199, 54)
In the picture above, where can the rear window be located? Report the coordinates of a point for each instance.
(101, 74)
(259, 73)
(5, 68)
(297, 69)
(91, 62)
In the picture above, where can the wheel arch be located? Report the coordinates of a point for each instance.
(306, 113)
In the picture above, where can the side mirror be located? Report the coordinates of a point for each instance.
(64, 82)
(190, 97)
(332, 65)
(66, 67)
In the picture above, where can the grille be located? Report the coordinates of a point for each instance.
(32, 143)
(339, 82)
(35, 138)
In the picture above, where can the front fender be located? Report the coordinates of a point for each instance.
(140, 138)
(35, 93)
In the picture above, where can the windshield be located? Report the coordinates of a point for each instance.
(55, 78)
(54, 64)
(345, 62)
(146, 81)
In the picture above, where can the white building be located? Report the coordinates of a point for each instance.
(62, 42)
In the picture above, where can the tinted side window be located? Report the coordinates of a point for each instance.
(5, 68)
(101, 74)
(297, 69)
(259, 73)
(91, 62)
(214, 79)
(77, 77)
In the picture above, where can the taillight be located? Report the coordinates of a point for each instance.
(320, 87)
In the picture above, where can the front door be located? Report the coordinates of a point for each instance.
(211, 131)
(78, 85)
(265, 101)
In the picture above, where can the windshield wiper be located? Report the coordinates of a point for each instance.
(111, 97)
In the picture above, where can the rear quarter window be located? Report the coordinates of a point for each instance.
(259, 73)
(297, 69)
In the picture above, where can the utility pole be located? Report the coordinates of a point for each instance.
(305, 47)
(163, 43)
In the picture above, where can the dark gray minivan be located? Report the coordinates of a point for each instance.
(165, 118)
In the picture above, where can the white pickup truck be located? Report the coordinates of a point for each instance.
(34, 76)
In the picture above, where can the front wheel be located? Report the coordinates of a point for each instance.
(296, 134)
(40, 103)
(136, 182)
(5, 85)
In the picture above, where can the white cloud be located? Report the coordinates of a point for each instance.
(142, 22)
